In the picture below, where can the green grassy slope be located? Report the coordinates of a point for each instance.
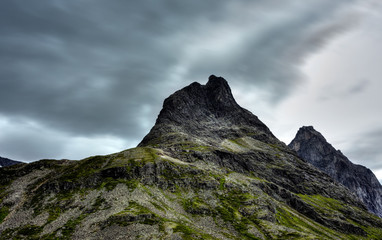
(146, 193)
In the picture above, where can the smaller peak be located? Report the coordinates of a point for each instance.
(219, 92)
(309, 129)
(193, 88)
(307, 132)
(213, 77)
(195, 84)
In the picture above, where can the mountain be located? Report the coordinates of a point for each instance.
(208, 169)
(4, 162)
(207, 115)
(313, 147)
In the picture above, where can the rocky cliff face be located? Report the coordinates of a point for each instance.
(208, 169)
(313, 147)
(4, 162)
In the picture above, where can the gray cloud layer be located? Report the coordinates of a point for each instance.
(367, 147)
(103, 68)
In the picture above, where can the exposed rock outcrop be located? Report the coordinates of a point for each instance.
(313, 147)
(207, 114)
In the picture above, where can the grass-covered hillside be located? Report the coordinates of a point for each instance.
(143, 193)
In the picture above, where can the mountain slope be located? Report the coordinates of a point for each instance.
(313, 147)
(208, 169)
(4, 162)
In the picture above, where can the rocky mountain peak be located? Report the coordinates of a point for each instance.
(308, 132)
(311, 146)
(218, 91)
(212, 79)
(217, 82)
(199, 101)
(208, 113)
(314, 139)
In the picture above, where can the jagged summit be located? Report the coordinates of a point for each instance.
(217, 83)
(213, 98)
(313, 147)
(219, 92)
(207, 113)
(316, 140)
(308, 132)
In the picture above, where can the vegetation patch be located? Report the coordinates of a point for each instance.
(157, 206)
(222, 183)
(322, 203)
(301, 224)
(54, 213)
(239, 142)
(4, 211)
(83, 169)
(173, 171)
(373, 233)
(70, 226)
(136, 157)
(188, 233)
(98, 203)
(36, 204)
(110, 183)
(229, 211)
(134, 213)
(31, 231)
(8, 234)
(192, 147)
(196, 205)
(134, 208)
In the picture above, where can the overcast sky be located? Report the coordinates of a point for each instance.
(81, 78)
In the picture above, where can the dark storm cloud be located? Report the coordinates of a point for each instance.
(89, 68)
(85, 69)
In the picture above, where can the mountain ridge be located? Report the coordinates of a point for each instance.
(5, 162)
(313, 147)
